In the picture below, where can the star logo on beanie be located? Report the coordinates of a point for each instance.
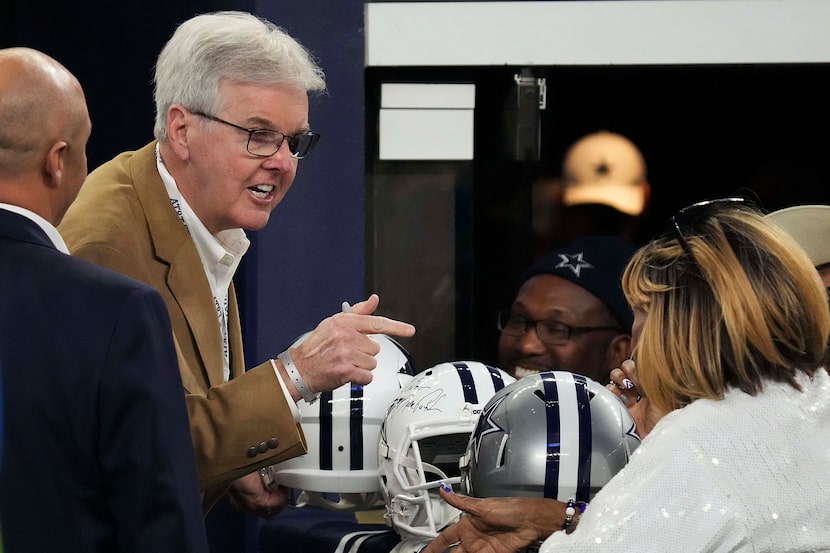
(574, 262)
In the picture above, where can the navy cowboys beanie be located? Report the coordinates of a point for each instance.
(595, 263)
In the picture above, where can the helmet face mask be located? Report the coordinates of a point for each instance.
(339, 472)
(425, 432)
(554, 434)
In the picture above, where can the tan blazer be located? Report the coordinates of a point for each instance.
(123, 219)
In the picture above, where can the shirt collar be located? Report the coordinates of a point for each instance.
(47, 227)
(224, 248)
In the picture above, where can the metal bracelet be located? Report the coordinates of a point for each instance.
(299, 383)
(266, 475)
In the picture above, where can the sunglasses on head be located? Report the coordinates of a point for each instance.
(682, 223)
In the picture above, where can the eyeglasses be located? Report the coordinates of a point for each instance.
(689, 215)
(548, 331)
(266, 142)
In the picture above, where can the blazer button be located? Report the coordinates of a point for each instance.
(273, 443)
(252, 452)
(262, 448)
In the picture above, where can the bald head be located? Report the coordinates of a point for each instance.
(44, 126)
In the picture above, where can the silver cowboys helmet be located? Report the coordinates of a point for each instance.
(425, 432)
(553, 434)
(340, 470)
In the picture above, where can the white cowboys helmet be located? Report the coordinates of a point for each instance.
(340, 470)
(424, 434)
(553, 434)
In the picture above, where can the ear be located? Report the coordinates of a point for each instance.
(619, 349)
(646, 193)
(177, 128)
(53, 165)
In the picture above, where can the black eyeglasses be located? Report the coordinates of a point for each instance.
(686, 218)
(550, 332)
(266, 142)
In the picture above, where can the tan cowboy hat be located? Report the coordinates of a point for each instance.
(810, 226)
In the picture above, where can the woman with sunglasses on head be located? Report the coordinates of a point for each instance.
(730, 330)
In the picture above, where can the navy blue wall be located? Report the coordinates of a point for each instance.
(310, 257)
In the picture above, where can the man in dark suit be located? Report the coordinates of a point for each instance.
(97, 455)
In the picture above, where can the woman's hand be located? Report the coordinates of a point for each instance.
(498, 524)
(624, 385)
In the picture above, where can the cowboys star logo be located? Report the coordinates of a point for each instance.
(632, 431)
(574, 262)
(486, 425)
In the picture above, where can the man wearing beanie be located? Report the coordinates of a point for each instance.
(569, 313)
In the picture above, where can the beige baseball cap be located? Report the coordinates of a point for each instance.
(605, 168)
(810, 226)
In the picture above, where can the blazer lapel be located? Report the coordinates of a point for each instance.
(186, 278)
(235, 335)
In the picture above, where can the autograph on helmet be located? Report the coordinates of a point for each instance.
(423, 398)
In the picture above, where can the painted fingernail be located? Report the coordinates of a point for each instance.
(445, 487)
(628, 364)
(627, 384)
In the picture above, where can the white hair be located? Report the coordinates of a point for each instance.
(232, 45)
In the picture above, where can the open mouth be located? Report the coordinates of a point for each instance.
(262, 191)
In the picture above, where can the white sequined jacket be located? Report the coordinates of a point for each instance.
(745, 474)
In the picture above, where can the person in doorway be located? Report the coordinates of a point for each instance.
(603, 189)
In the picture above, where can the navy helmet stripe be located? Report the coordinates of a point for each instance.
(583, 400)
(356, 428)
(468, 384)
(495, 376)
(554, 437)
(326, 431)
(409, 366)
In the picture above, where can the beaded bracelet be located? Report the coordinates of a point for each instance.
(299, 383)
(570, 510)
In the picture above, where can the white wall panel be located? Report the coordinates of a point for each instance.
(628, 32)
(426, 134)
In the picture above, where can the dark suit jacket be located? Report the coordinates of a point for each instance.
(97, 454)
(122, 219)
